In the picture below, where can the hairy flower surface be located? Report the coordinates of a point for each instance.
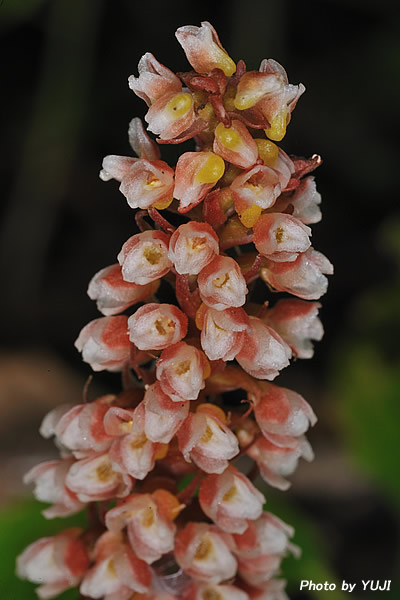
(158, 463)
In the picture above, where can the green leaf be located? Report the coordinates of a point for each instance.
(20, 525)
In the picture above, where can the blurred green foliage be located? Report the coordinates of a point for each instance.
(20, 525)
(366, 377)
(14, 11)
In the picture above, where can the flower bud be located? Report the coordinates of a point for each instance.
(297, 323)
(144, 257)
(221, 284)
(264, 353)
(222, 331)
(207, 441)
(204, 50)
(104, 343)
(281, 237)
(230, 499)
(141, 143)
(192, 247)
(57, 563)
(235, 144)
(303, 277)
(195, 174)
(181, 370)
(154, 81)
(113, 294)
(203, 554)
(157, 326)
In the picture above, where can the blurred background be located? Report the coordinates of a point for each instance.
(66, 104)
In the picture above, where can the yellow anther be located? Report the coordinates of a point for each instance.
(126, 426)
(203, 550)
(228, 137)
(211, 171)
(223, 61)
(163, 203)
(199, 98)
(229, 98)
(111, 572)
(211, 594)
(278, 126)
(182, 367)
(250, 216)
(139, 442)
(213, 410)
(148, 517)
(104, 471)
(152, 182)
(162, 451)
(179, 105)
(207, 112)
(219, 282)
(279, 232)
(244, 100)
(267, 151)
(152, 254)
(230, 494)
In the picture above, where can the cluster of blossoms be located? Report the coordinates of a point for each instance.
(171, 514)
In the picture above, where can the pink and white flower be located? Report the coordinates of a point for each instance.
(282, 412)
(221, 284)
(192, 247)
(264, 536)
(264, 353)
(281, 237)
(148, 183)
(206, 440)
(203, 553)
(195, 174)
(113, 294)
(81, 429)
(95, 478)
(303, 277)
(49, 479)
(157, 326)
(151, 531)
(154, 81)
(203, 49)
(206, 591)
(222, 331)
(297, 323)
(171, 115)
(277, 462)
(104, 343)
(134, 454)
(235, 144)
(306, 201)
(230, 500)
(181, 371)
(144, 257)
(57, 563)
(159, 416)
(117, 572)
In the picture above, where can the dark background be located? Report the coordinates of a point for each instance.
(66, 104)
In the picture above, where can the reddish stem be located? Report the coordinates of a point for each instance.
(159, 219)
(188, 301)
(186, 495)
